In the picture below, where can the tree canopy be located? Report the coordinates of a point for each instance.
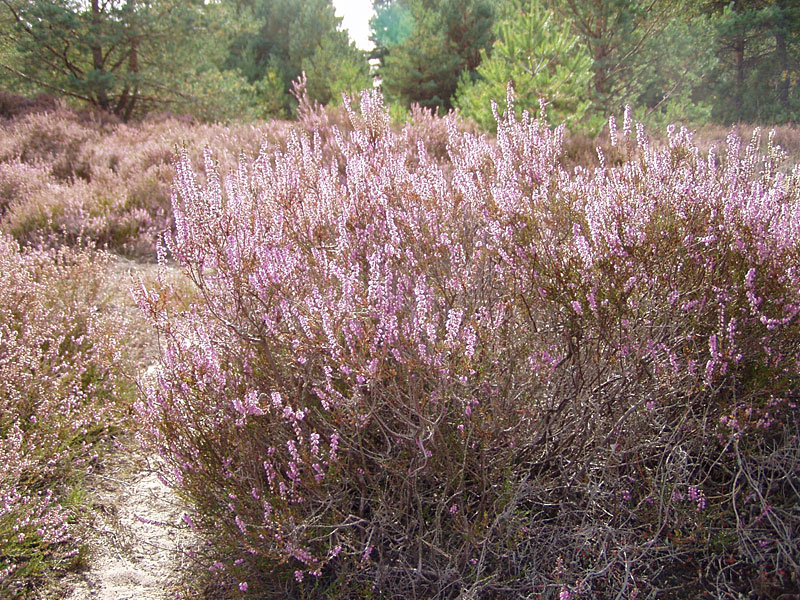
(122, 56)
(427, 44)
(757, 77)
(215, 59)
(291, 36)
(686, 60)
(541, 59)
(683, 60)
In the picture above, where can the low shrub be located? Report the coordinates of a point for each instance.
(18, 181)
(109, 212)
(14, 106)
(491, 378)
(65, 177)
(58, 392)
(52, 138)
(580, 148)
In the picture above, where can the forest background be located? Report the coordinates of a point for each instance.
(693, 61)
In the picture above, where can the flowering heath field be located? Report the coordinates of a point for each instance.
(454, 367)
(59, 396)
(66, 177)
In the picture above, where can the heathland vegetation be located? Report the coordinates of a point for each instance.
(478, 354)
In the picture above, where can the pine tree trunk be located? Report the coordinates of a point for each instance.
(97, 54)
(782, 58)
(739, 93)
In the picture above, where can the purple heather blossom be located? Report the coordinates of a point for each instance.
(362, 295)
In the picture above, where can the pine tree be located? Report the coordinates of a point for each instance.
(122, 56)
(292, 36)
(541, 58)
(758, 45)
(427, 44)
(615, 32)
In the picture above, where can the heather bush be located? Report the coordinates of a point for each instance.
(423, 127)
(580, 148)
(64, 178)
(18, 181)
(57, 401)
(98, 212)
(52, 138)
(13, 105)
(492, 378)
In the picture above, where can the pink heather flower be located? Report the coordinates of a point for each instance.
(366, 555)
(333, 446)
(612, 130)
(453, 324)
(712, 346)
(696, 495)
(469, 342)
(319, 260)
(710, 370)
(750, 278)
(627, 121)
(298, 575)
(243, 586)
(592, 301)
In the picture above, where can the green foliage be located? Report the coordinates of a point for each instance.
(425, 68)
(540, 58)
(122, 56)
(427, 44)
(392, 25)
(271, 97)
(758, 74)
(624, 40)
(292, 36)
(671, 90)
(692, 60)
(332, 63)
(216, 60)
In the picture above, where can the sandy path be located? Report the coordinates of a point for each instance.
(138, 540)
(139, 543)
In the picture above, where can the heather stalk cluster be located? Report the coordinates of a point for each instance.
(57, 400)
(66, 178)
(475, 372)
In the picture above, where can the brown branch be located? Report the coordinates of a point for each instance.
(18, 18)
(47, 85)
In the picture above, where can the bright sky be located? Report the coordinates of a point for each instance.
(356, 15)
